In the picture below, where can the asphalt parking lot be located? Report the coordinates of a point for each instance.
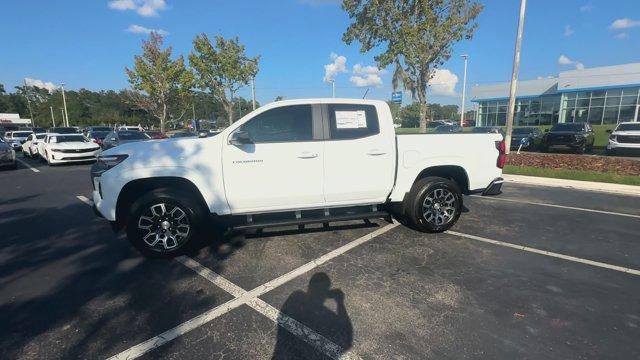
(534, 273)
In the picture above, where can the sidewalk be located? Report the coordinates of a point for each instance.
(574, 184)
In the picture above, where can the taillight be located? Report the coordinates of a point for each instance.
(502, 157)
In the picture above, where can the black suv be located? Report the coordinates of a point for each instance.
(578, 137)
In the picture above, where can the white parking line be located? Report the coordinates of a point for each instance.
(27, 165)
(547, 253)
(85, 200)
(250, 298)
(556, 206)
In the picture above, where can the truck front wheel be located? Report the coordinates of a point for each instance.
(435, 204)
(164, 223)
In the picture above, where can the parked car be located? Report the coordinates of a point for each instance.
(153, 134)
(448, 129)
(66, 148)
(488, 130)
(624, 138)
(30, 146)
(184, 134)
(529, 137)
(118, 137)
(435, 123)
(130, 128)
(38, 130)
(89, 129)
(296, 162)
(97, 136)
(63, 130)
(578, 137)
(7, 155)
(17, 138)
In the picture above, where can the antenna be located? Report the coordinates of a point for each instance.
(365, 93)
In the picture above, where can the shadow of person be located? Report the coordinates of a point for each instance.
(309, 308)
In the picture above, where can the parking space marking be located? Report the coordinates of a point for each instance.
(556, 206)
(251, 299)
(85, 200)
(27, 165)
(547, 253)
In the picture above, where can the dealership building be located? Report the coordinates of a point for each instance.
(9, 121)
(601, 95)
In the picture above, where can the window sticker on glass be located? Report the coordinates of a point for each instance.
(351, 119)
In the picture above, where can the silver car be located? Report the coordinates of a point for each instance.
(7, 155)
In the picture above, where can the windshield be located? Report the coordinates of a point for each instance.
(67, 138)
(21, 133)
(628, 127)
(132, 135)
(63, 130)
(568, 127)
(99, 134)
(522, 131)
(95, 129)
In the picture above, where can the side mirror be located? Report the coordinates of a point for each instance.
(239, 137)
(546, 130)
(609, 131)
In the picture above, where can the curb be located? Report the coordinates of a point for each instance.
(574, 184)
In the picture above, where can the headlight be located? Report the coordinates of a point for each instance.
(613, 138)
(55, 149)
(106, 162)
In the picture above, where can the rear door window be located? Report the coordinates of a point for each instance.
(347, 121)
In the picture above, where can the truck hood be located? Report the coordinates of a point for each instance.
(162, 153)
(73, 145)
(627, 133)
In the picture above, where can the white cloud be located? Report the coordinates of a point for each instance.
(358, 69)
(338, 65)
(565, 60)
(40, 84)
(586, 8)
(443, 82)
(367, 80)
(568, 31)
(137, 29)
(625, 23)
(142, 7)
(621, 36)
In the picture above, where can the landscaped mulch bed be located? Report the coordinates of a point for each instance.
(585, 162)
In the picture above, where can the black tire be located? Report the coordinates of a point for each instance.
(194, 214)
(428, 187)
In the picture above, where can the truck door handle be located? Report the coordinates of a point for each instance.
(376, 152)
(307, 155)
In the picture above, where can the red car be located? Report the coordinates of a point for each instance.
(156, 134)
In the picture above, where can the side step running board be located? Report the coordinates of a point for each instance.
(314, 220)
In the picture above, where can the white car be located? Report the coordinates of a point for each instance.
(131, 128)
(292, 162)
(30, 146)
(17, 138)
(626, 136)
(65, 148)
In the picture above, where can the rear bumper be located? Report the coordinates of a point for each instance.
(494, 188)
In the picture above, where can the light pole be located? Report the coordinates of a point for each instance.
(53, 119)
(333, 87)
(62, 113)
(514, 77)
(64, 102)
(464, 88)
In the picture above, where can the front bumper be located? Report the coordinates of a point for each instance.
(494, 188)
(614, 145)
(59, 157)
(8, 158)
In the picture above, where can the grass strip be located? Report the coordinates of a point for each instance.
(573, 175)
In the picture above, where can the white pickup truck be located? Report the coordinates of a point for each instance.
(292, 162)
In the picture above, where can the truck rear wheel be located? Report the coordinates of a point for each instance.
(164, 223)
(435, 204)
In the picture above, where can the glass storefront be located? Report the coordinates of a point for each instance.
(608, 106)
(597, 107)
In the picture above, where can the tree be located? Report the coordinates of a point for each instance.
(395, 112)
(415, 36)
(279, 98)
(161, 86)
(222, 70)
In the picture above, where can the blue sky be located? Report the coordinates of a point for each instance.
(87, 43)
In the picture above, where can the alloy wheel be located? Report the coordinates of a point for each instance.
(165, 227)
(439, 207)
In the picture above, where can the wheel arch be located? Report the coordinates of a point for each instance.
(136, 188)
(454, 173)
